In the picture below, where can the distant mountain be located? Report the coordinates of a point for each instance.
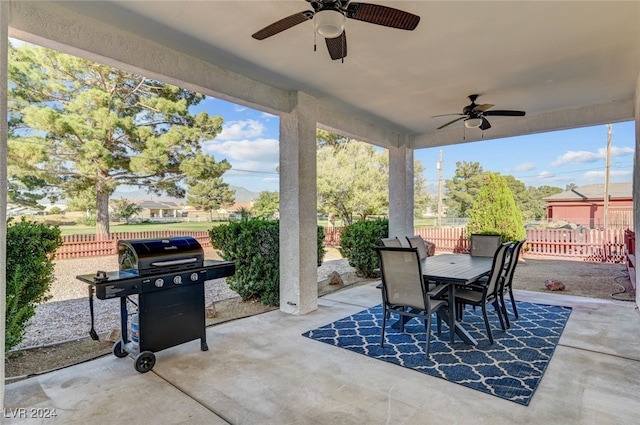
(244, 195)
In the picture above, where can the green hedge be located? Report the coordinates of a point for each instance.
(357, 243)
(254, 246)
(30, 271)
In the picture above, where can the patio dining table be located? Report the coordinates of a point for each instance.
(454, 270)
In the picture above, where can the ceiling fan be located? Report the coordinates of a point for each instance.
(330, 16)
(474, 115)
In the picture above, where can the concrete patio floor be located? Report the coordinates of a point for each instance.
(260, 370)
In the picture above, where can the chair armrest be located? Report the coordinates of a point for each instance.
(438, 291)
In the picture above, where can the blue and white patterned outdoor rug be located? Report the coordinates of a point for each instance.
(511, 368)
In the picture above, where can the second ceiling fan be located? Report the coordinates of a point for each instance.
(474, 115)
(330, 16)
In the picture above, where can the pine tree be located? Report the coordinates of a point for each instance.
(494, 210)
(79, 129)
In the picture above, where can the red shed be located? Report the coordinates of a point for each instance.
(585, 206)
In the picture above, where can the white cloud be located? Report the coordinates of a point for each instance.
(258, 154)
(547, 177)
(526, 166)
(599, 176)
(581, 157)
(237, 130)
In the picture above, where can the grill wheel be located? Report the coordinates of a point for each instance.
(118, 351)
(145, 361)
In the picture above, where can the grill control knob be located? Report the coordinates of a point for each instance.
(193, 277)
(177, 280)
(159, 282)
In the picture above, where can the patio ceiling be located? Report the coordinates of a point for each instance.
(566, 63)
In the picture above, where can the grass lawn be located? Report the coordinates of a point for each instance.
(142, 227)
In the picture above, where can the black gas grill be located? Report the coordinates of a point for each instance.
(167, 275)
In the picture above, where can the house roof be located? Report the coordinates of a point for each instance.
(164, 205)
(594, 191)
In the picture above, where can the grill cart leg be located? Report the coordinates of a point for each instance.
(123, 320)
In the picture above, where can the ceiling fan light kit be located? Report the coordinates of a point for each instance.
(473, 122)
(329, 23)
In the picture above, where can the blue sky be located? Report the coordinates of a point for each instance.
(249, 141)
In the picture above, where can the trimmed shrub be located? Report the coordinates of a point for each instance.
(254, 246)
(357, 243)
(30, 271)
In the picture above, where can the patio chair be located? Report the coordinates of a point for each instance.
(484, 245)
(394, 242)
(486, 292)
(416, 241)
(507, 286)
(420, 244)
(403, 291)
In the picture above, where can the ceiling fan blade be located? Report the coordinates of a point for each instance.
(283, 24)
(485, 124)
(337, 46)
(506, 113)
(451, 122)
(483, 107)
(383, 15)
(444, 115)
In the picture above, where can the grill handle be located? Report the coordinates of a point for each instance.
(174, 262)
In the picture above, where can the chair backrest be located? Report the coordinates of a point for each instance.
(513, 261)
(497, 268)
(484, 245)
(402, 277)
(394, 242)
(416, 241)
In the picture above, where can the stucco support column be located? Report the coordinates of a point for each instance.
(4, 41)
(298, 208)
(400, 191)
(636, 179)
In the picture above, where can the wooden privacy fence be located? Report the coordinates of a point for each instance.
(578, 244)
(74, 246)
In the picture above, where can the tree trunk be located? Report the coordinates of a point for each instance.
(102, 214)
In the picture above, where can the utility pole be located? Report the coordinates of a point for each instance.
(439, 167)
(606, 177)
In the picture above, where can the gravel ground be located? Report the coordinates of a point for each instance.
(66, 315)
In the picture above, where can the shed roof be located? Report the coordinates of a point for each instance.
(595, 192)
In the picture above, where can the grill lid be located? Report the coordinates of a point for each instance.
(146, 257)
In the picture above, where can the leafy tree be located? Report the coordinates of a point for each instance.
(462, 190)
(352, 180)
(123, 208)
(537, 199)
(521, 195)
(327, 138)
(267, 205)
(421, 199)
(79, 129)
(571, 186)
(495, 211)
